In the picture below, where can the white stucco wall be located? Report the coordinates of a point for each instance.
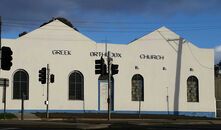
(34, 50)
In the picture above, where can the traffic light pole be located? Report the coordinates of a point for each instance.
(4, 89)
(47, 101)
(0, 39)
(22, 103)
(5, 53)
(101, 68)
(0, 32)
(4, 98)
(109, 85)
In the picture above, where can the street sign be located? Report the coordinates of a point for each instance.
(4, 81)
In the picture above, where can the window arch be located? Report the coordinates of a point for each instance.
(76, 86)
(21, 85)
(192, 89)
(137, 92)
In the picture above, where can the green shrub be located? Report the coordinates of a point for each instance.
(7, 116)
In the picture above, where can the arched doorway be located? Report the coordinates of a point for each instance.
(103, 93)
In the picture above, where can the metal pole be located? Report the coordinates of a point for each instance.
(4, 97)
(0, 32)
(168, 111)
(0, 40)
(109, 86)
(4, 100)
(106, 45)
(22, 104)
(139, 102)
(47, 101)
(4, 91)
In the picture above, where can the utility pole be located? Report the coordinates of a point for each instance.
(0, 40)
(167, 98)
(105, 45)
(22, 103)
(140, 98)
(0, 32)
(109, 85)
(1, 60)
(47, 100)
(178, 74)
(4, 97)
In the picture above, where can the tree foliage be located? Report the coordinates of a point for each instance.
(22, 34)
(63, 20)
(217, 68)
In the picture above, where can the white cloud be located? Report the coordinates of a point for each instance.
(62, 13)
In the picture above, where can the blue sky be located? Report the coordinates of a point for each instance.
(120, 21)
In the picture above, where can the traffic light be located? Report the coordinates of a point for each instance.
(104, 69)
(52, 78)
(6, 58)
(114, 69)
(100, 67)
(42, 75)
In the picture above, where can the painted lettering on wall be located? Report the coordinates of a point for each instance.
(99, 54)
(151, 57)
(61, 52)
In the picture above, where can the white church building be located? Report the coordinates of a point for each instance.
(159, 73)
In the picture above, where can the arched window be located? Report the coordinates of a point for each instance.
(137, 88)
(76, 86)
(21, 85)
(192, 89)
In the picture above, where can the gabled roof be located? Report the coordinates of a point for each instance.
(55, 31)
(68, 32)
(63, 20)
(162, 33)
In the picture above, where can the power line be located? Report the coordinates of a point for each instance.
(106, 21)
(87, 24)
(197, 59)
(24, 24)
(88, 29)
(122, 25)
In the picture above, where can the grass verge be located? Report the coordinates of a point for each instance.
(7, 116)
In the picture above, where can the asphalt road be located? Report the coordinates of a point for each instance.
(109, 125)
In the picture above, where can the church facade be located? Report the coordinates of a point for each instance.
(159, 73)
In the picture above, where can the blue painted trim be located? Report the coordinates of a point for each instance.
(103, 111)
(201, 114)
(184, 113)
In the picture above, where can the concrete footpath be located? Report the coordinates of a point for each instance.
(95, 123)
(31, 117)
(101, 122)
(103, 119)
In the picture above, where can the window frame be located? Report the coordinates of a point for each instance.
(82, 87)
(197, 89)
(27, 83)
(142, 88)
